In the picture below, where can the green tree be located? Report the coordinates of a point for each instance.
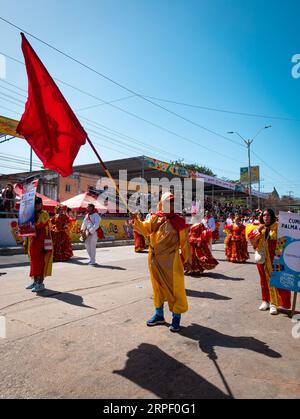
(193, 167)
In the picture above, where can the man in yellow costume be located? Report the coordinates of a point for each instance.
(168, 251)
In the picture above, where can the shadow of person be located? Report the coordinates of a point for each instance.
(209, 339)
(208, 295)
(3, 273)
(66, 297)
(97, 265)
(15, 265)
(216, 275)
(152, 369)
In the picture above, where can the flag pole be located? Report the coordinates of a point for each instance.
(109, 175)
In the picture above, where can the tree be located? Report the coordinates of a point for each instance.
(193, 167)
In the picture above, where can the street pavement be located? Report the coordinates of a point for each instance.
(86, 337)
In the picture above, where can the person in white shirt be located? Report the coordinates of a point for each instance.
(210, 225)
(89, 228)
(230, 219)
(209, 221)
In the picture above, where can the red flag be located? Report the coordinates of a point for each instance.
(48, 123)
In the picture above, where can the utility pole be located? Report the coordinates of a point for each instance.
(248, 145)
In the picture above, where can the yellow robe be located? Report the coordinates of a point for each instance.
(168, 250)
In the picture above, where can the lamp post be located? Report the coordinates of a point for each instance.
(248, 145)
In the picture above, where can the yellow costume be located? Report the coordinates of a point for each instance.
(168, 250)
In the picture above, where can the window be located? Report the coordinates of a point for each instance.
(68, 188)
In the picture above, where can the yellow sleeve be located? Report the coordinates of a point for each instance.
(143, 227)
(185, 246)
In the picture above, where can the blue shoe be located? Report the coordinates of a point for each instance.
(155, 320)
(30, 286)
(38, 288)
(175, 325)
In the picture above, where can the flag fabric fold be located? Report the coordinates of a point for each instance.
(48, 124)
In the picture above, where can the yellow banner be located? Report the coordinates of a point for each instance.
(254, 174)
(8, 126)
(113, 229)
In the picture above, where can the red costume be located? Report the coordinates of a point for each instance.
(236, 247)
(202, 258)
(61, 238)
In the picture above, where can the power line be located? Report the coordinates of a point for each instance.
(128, 147)
(224, 110)
(138, 95)
(121, 85)
(144, 120)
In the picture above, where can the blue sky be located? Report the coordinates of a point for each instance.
(225, 54)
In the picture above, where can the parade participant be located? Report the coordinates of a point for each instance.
(202, 259)
(89, 228)
(210, 224)
(264, 239)
(61, 235)
(167, 232)
(8, 200)
(139, 240)
(230, 219)
(216, 232)
(236, 247)
(209, 221)
(40, 249)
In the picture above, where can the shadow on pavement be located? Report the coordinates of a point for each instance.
(66, 297)
(76, 261)
(3, 273)
(152, 369)
(15, 265)
(209, 339)
(208, 295)
(237, 263)
(215, 275)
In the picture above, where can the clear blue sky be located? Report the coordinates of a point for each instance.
(226, 54)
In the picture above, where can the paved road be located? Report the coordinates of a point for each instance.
(86, 336)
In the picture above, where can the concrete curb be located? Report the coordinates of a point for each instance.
(18, 250)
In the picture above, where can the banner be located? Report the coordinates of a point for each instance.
(254, 175)
(27, 210)
(113, 229)
(286, 265)
(212, 180)
(8, 126)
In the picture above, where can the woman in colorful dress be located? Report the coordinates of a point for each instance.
(202, 258)
(236, 247)
(264, 239)
(39, 249)
(168, 237)
(61, 235)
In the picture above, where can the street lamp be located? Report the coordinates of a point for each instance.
(248, 144)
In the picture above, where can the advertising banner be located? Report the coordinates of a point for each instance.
(26, 211)
(244, 179)
(286, 266)
(8, 126)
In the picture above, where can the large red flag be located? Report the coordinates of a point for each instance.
(48, 123)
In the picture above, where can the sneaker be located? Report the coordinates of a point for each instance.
(30, 286)
(273, 310)
(175, 324)
(264, 306)
(38, 288)
(155, 320)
